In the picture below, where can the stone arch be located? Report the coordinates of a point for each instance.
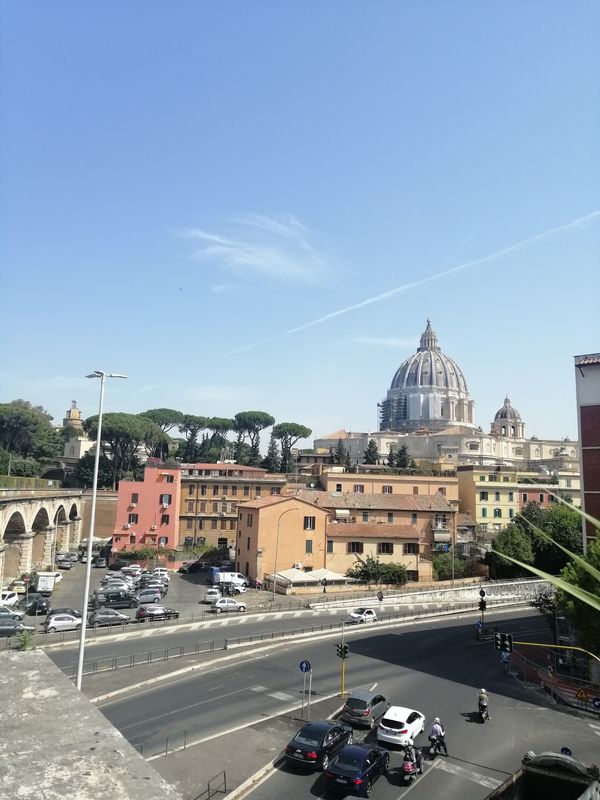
(39, 526)
(12, 538)
(61, 523)
(73, 512)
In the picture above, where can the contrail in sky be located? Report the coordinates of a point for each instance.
(577, 223)
(581, 222)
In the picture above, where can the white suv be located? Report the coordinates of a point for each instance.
(162, 573)
(211, 595)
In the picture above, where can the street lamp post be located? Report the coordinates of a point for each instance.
(88, 563)
(281, 516)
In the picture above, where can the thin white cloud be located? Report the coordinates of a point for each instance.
(218, 288)
(383, 341)
(276, 247)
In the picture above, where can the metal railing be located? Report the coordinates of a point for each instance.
(175, 741)
(128, 661)
(216, 785)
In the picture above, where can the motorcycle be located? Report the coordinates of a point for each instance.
(409, 770)
(435, 747)
(483, 712)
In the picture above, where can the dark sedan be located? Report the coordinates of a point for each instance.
(356, 768)
(195, 566)
(155, 612)
(39, 605)
(10, 627)
(316, 743)
(107, 616)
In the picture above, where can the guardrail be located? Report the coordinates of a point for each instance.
(174, 741)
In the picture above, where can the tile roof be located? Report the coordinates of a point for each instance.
(398, 502)
(273, 500)
(587, 360)
(465, 519)
(367, 530)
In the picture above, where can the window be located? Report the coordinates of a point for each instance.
(257, 491)
(385, 549)
(225, 491)
(189, 524)
(482, 478)
(249, 520)
(354, 547)
(215, 507)
(132, 538)
(415, 490)
(203, 506)
(410, 549)
(511, 513)
(166, 499)
(413, 519)
(190, 506)
(497, 497)
(484, 512)
(308, 546)
(541, 497)
(412, 575)
(524, 497)
(223, 508)
(442, 490)
(164, 519)
(231, 524)
(569, 483)
(511, 497)
(483, 496)
(221, 542)
(248, 544)
(387, 489)
(203, 489)
(365, 516)
(169, 478)
(309, 523)
(390, 517)
(132, 519)
(223, 524)
(359, 488)
(234, 491)
(213, 524)
(135, 497)
(275, 490)
(201, 524)
(506, 479)
(191, 488)
(497, 513)
(338, 487)
(215, 489)
(440, 521)
(246, 491)
(330, 545)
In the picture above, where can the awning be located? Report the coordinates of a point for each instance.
(442, 537)
(342, 513)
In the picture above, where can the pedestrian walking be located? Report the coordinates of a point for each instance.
(505, 660)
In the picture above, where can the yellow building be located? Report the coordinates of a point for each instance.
(379, 480)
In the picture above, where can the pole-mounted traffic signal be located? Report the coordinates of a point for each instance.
(503, 642)
(343, 650)
(482, 604)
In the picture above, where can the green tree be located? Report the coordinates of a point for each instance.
(288, 433)
(339, 454)
(585, 620)
(253, 422)
(391, 459)
(84, 471)
(563, 525)
(347, 461)
(402, 458)
(166, 419)
(371, 453)
(219, 426)
(190, 427)
(442, 567)
(122, 435)
(513, 542)
(272, 462)
(26, 430)
(372, 570)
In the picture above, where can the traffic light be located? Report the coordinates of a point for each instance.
(503, 642)
(482, 604)
(343, 650)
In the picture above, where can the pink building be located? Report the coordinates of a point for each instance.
(148, 510)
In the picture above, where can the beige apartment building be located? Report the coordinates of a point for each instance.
(329, 530)
(379, 480)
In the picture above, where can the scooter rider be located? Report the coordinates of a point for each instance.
(483, 703)
(438, 733)
(412, 753)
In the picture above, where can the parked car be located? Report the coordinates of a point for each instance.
(191, 566)
(11, 613)
(101, 563)
(38, 605)
(400, 724)
(74, 556)
(62, 622)
(106, 616)
(9, 598)
(361, 615)
(63, 563)
(356, 768)
(19, 586)
(227, 604)
(131, 569)
(211, 595)
(364, 707)
(151, 612)
(115, 598)
(317, 742)
(148, 596)
(12, 626)
(157, 586)
(162, 572)
(72, 611)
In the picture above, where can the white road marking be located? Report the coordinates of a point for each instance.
(593, 725)
(258, 688)
(467, 774)
(280, 696)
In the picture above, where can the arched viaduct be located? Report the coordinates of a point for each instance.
(34, 525)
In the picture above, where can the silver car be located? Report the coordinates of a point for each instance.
(148, 596)
(11, 613)
(364, 707)
(227, 604)
(62, 622)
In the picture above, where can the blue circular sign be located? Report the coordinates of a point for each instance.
(305, 666)
(596, 702)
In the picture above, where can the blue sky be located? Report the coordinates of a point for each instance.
(185, 186)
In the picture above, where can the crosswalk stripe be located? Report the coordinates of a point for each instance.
(467, 774)
(280, 696)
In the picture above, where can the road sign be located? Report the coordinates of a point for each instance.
(482, 593)
(304, 666)
(503, 642)
(596, 702)
(380, 596)
(581, 694)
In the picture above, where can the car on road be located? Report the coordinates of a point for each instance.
(227, 604)
(152, 612)
(399, 724)
(211, 595)
(364, 707)
(72, 611)
(191, 566)
(107, 616)
(74, 556)
(101, 563)
(11, 613)
(63, 563)
(11, 626)
(38, 606)
(9, 598)
(317, 742)
(148, 596)
(361, 615)
(62, 622)
(356, 768)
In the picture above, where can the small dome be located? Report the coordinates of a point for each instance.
(507, 412)
(429, 367)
